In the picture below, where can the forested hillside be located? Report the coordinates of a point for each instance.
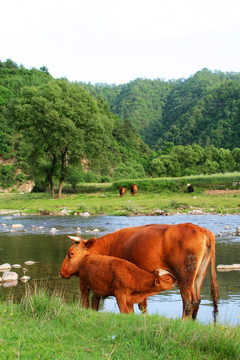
(53, 131)
(204, 109)
(57, 132)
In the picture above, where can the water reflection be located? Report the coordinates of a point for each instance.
(35, 241)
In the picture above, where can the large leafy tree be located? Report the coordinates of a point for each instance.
(56, 119)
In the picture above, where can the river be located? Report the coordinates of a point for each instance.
(43, 239)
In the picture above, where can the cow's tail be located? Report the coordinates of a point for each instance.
(214, 284)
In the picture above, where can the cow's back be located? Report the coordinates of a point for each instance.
(163, 246)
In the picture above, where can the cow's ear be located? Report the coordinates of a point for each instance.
(89, 243)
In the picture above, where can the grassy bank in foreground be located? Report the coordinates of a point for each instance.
(44, 327)
(110, 203)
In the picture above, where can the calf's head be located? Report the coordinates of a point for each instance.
(164, 279)
(71, 263)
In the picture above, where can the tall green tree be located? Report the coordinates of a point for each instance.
(56, 119)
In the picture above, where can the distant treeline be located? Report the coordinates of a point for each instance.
(203, 109)
(53, 131)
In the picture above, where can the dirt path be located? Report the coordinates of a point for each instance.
(222, 192)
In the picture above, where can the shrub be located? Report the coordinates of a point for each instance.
(7, 176)
(90, 177)
(74, 176)
(129, 171)
(106, 179)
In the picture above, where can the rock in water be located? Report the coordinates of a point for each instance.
(30, 262)
(5, 267)
(9, 276)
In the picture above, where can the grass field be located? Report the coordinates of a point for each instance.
(110, 203)
(42, 326)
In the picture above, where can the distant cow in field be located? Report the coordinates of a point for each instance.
(133, 189)
(122, 191)
(185, 250)
(110, 276)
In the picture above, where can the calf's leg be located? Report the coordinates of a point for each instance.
(122, 303)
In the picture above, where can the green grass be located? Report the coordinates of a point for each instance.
(111, 204)
(167, 194)
(42, 326)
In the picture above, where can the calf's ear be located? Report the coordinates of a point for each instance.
(157, 280)
(89, 243)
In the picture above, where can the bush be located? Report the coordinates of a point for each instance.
(40, 185)
(129, 171)
(7, 176)
(210, 167)
(21, 177)
(190, 171)
(74, 176)
(90, 177)
(106, 179)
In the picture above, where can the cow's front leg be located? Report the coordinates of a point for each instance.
(95, 302)
(84, 295)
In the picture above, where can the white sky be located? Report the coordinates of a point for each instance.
(116, 41)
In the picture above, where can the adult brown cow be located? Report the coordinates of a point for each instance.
(133, 189)
(185, 250)
(111, 276)
(122, 191)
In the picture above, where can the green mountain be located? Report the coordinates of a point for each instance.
(203, 109)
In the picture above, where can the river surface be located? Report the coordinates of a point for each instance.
(43, 239)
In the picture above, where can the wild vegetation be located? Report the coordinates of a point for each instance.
(203, 109)
(56, 132)
(43, 326)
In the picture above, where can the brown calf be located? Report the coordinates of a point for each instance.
(110, 276)
(122, 191)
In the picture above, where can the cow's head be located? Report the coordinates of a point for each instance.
(164, 279)
(71, 263)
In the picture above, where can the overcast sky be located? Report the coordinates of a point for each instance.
(116, 41)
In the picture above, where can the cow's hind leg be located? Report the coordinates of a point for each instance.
(191, 279)
(199, 281)
(190, 302)
(188, 293)
(195, 309)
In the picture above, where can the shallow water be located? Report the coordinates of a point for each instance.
(43, 239)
